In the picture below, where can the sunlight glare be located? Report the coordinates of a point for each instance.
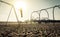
(20, 4)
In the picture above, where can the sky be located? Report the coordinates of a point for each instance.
(31, 5)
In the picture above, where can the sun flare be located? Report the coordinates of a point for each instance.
(20, 4)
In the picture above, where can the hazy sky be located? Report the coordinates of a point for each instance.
(32, 5)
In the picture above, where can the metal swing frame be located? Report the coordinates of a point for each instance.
(12, 7)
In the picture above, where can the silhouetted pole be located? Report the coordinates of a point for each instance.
(39, 16)
(21, 12)
(9, 15)
(53, 13)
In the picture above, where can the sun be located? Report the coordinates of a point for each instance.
(20, 4)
